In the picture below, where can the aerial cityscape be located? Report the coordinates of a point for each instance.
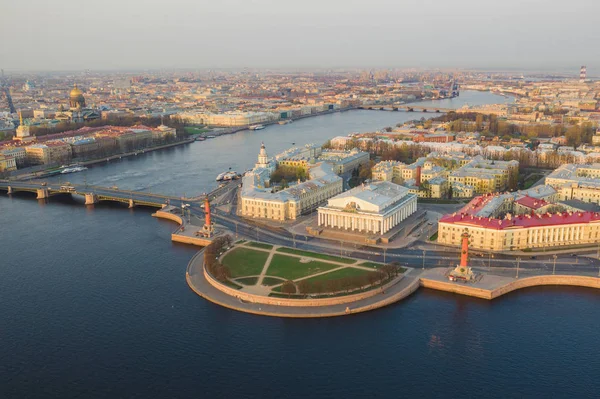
(333, 214)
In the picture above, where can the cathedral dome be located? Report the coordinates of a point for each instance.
(76, 93)
(76, 99)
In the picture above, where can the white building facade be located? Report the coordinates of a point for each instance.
(375, 208)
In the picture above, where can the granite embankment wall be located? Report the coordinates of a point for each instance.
(578, 281)
(181, 238)
(558, 280)
(169, 216)
(265, 300)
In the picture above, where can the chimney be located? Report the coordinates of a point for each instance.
(418, 178)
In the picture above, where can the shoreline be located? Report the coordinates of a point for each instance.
(489, 287)
(46, 173)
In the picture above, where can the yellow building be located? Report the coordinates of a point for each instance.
(7, 164)
(483, 219)
(258, 200)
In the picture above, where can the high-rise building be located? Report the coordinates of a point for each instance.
(582, 73)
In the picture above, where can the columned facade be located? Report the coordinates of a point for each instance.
(365, 221)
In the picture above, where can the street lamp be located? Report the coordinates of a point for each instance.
(341, 246)
(554, 266)
(518, 261)
(294, 239)
(424, 259)
(236, 229)
(384, 249)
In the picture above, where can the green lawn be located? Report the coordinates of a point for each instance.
(195, 130)
(290, 268)
(260, 245)
(337, 274)
(315, 255)
(434, 236)
(269, 281)
(245, 262)
(247, 280)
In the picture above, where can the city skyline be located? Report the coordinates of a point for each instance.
(527, 35)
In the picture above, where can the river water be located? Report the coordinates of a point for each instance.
(94, 304)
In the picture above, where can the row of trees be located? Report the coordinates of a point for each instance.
(286, 174)
(491, 125)
(211, 258)
(362, 173)
(345, 284)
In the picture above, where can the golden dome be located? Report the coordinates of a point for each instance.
(75, 92)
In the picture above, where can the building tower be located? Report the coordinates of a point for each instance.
(262, 155)
(582, 74)
(23, 133)
(76, 99)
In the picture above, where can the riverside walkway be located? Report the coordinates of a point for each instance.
(201, 286)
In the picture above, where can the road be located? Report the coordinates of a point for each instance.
(413, 257)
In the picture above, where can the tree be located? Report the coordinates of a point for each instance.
(288, 288)
(479, 122)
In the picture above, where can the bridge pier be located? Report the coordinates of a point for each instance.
(42, 193)
(131, 204)
(10, 190)
(91, 199)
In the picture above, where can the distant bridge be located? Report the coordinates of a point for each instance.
(407, 108)
(95, 194)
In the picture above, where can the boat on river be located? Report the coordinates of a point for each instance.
(72, 169)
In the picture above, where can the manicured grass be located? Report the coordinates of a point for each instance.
(247, 280)
(315, 255)
(245, 262)
(195, 130)
(434, 237)
(290, 268)
(260, 245)
(337, 274)
(269, 281)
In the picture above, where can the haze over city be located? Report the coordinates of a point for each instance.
(310, 199)
(152, 34)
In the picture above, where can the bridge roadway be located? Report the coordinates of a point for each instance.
(408, 108)
(407, 256)
(99, 193)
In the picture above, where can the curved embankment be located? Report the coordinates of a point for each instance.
(491, 287)
(207, 287)
(577, 281)
(168, 216)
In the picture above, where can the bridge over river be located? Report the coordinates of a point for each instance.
(95, 194)
(407, 108)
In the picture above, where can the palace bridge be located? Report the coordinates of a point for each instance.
(95, 194)
(407, 108)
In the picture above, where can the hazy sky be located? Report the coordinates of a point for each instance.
(148, 34)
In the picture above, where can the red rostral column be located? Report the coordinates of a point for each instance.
(464, 251)
(207, 212)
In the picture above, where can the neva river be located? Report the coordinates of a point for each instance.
(94, 304)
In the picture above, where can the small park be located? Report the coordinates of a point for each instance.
(284, 272)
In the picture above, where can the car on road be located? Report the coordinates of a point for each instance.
(533, 257)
